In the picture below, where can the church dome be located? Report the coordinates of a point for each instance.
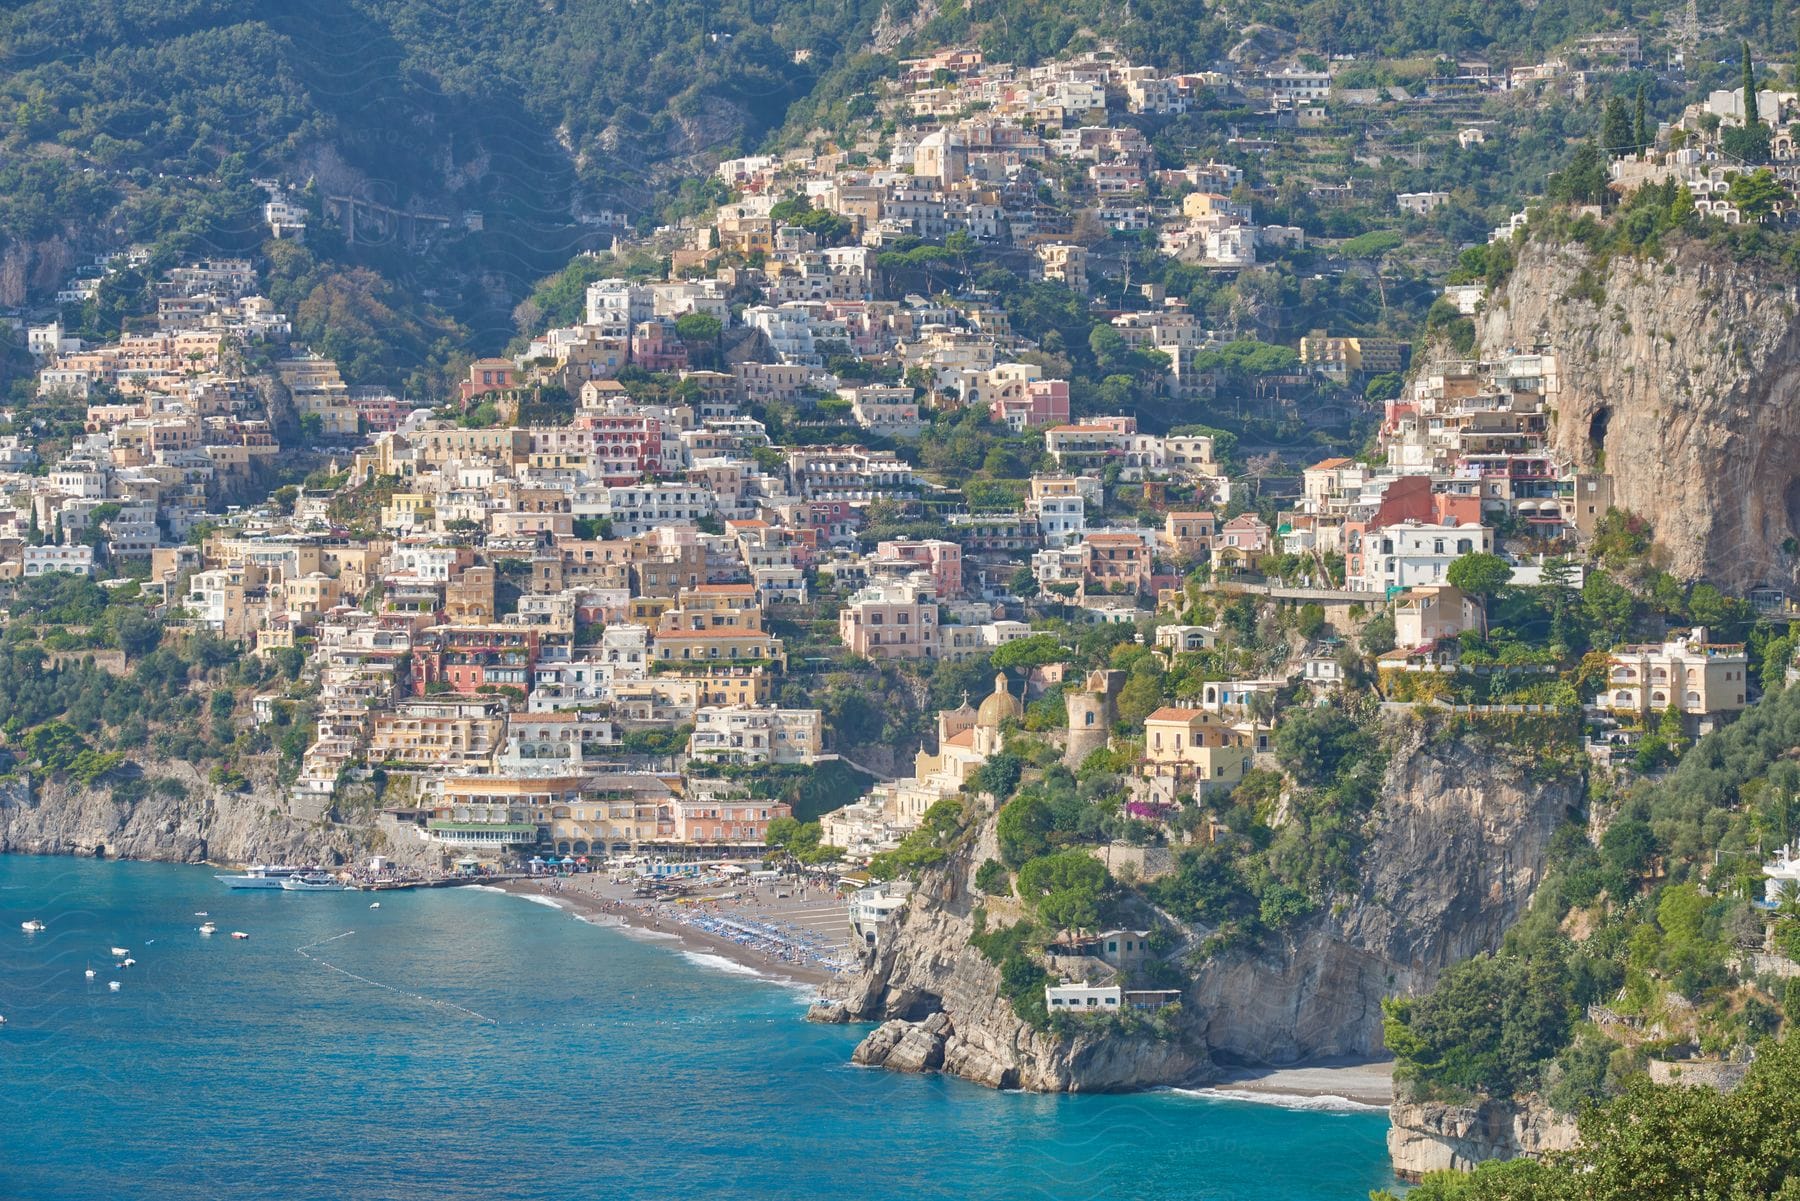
(1000, 706)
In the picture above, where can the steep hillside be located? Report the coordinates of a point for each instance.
(1681, 380)
(1457, 845)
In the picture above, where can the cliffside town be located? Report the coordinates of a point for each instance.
(947, 510)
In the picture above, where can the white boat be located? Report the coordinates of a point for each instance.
(32, 926)
(261, 875)
(201, 913)
(375, 905)
(239, 934)
(120, 952)
(91, 973)
(129, 962)
(208, 928)
(113, 984)
(312, 882)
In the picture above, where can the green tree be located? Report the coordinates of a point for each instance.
(1481, 575)
(1751, 116)
(1608, 607)
(1615, 129)
(1065, 889)
(1313, 743)
(1640, 121)
(698, 329)
(1756, 193)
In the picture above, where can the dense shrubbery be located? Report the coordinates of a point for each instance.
(1660, 1141)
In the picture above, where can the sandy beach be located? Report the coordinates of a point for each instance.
(1363, 1082)
(799, 928)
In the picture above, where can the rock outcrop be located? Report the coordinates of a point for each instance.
(206, 824)
(1456, 848)
(1679, 378)
(1433, 1136)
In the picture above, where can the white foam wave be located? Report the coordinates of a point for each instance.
(550, 902)
(719, 963)
(1324, 1103)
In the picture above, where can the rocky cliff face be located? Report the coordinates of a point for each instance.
(56, 817)
(1681, 379)
(1456, 849)
(1428, 1136)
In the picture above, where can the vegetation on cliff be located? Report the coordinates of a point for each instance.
(89, 682)
(1648, 932)
(1659, 1141)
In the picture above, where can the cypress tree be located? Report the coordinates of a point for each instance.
(1750, 114)
(1615, 128)
(1640, 130)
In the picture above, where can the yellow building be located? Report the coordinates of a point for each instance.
(1704, 680)
(1193, 746)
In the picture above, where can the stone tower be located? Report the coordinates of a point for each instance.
(1092, 712)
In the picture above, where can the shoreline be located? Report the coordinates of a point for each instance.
(591, 900)
(1361, 1083)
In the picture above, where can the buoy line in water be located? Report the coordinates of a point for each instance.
(302, 952)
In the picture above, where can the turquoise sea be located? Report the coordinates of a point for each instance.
(462, 1043)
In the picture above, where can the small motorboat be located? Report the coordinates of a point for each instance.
(2, 1019)
(113, 985)
(208, 928)
(91, 973)
(129, 962)
(375, 905)
(32, 926)
(239, 934)
(120, 952)
(201, 913)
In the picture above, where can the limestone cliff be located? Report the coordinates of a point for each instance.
(58, 817)
(1680, 377)
(1428, 1136)
(1455, 849)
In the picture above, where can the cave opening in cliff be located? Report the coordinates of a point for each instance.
(1597, 426)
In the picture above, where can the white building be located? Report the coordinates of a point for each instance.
(1083, 998)
(755, 735)
(1410, 554)
(48, 560)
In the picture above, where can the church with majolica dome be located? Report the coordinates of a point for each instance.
(966, 738)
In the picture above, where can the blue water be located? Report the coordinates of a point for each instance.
(483, 1046)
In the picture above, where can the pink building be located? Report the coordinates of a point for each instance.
(942, 559)
(655, 348)
(1042, 402)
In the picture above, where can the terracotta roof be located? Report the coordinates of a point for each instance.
(1170, 713)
